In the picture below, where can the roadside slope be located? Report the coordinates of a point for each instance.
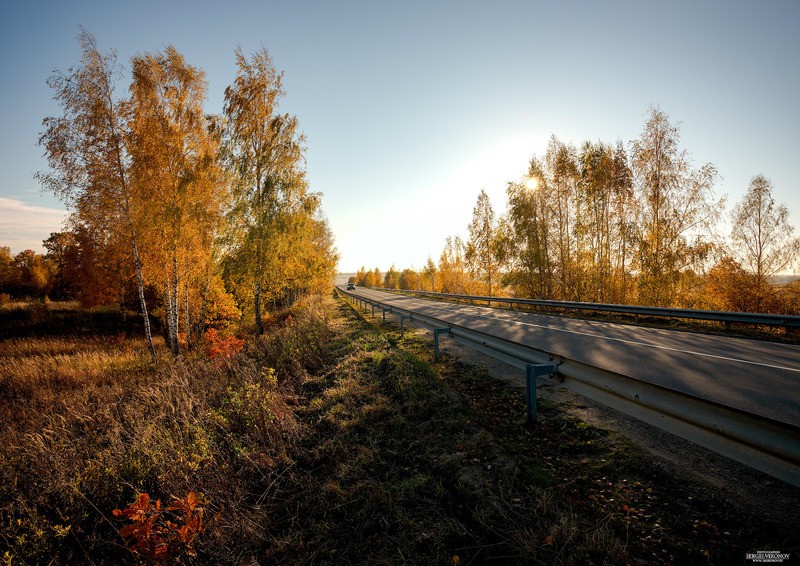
(410, 461)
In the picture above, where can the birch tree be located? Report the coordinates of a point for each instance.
(595, 194)
(409, 280)
(604, 223)
(87, 148)
(176, 176)
(452, 266)
(527, 245)
(763, 240)
(624, 225)
(263, 150)
(677, 209)
(482, 247)
(429, 271)
(562, 167)
(391, 280)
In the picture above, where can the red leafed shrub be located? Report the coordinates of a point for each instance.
(159, 535)
(222, 345)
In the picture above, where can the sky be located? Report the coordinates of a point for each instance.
(411, 108)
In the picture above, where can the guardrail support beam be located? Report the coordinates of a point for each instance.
(436, 332)
(532, 371)
(403, 318)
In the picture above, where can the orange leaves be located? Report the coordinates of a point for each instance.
(159, 535)
(143, 514)
(222, 345)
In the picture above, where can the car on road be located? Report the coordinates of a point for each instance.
(351, 286)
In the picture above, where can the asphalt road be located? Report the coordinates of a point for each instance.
(758, 377)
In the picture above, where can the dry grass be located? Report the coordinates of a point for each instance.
(89, 422)
(328, 440)
(10, 304)
(44, 369)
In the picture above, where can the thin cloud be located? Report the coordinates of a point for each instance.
(23, 226)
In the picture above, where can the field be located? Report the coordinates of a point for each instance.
(329, 440)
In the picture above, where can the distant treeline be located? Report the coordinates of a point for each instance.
(610, 224)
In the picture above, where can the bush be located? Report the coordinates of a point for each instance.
(222, 345)
(161, 536)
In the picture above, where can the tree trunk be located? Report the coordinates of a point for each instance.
(201, 324)
(257, 301)
(142, 303)
(168, 315)
(176, 347)
(171, 314)
(188, 318)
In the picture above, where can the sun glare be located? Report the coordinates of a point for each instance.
(532, 183)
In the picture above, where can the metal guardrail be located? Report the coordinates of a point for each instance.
(780, 320)
(767, 445)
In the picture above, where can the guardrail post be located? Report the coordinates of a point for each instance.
(384, 314)
(532, 371)
(403, 318)
(436, 332)
(373, 310)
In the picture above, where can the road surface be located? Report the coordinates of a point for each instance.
(759, 377)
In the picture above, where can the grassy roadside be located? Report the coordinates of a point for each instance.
(566, 492)
(330, 440)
